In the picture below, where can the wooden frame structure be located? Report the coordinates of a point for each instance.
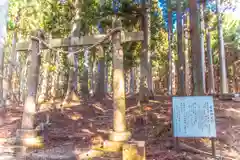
(120, 133)
(82, 41)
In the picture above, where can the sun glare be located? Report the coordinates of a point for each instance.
(234, 13)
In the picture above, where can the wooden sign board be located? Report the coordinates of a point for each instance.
(193, 116)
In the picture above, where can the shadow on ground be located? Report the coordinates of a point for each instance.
(75, 127)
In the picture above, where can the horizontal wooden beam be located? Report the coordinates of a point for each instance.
(82, 41)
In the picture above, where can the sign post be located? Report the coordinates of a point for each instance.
(193, 116)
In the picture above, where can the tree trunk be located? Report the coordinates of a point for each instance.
(132, 80)
(17, 77)
(13, 61)
(23, 78)
(170, 35)
(11, 65)
(198, 82)
(61, 76)
(144, 93)
(147, 23)
(72, 80)
(203, 64)
(106, 74)
(55, 78)
(223, 68)
(92, 74)
(84, 82)
(3, 30)
(44, 86)
(138, 81)
(186, 54)
(101, 67)
(181, 56)
(211, 79)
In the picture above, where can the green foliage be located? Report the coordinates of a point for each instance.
(56, 19)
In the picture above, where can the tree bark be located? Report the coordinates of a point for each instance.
(211, 79)
(203, 63)
(106, 74)
(23, 76)
(92, 74)
(144, 93)
(3, 33)
(181, 56)
(101, 75)
(11, 65)
(44, 86)
(198, 82)
(170, 35)
(147, 23)
(223, 67)
(13, 61)
(56, 76)
(72, 81)
(132, 80)
(84, 82)
(186, 54)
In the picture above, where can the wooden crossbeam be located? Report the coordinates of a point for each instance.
(82, 41)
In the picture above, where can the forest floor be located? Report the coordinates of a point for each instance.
(73, 130)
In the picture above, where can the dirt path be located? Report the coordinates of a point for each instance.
(74, 129)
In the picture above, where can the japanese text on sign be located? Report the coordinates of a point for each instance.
(193, 116)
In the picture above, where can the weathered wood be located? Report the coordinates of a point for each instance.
(30, 107)
(119, 133)
(32, 82)
(82, 41)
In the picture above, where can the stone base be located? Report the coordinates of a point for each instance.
(29, 138)
(57, 153)
(226, 96)
(134, 150)
(119, 136)
(236, 99)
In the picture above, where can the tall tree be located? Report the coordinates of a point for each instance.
(101, 69)
(147, 22)
(197, 58)
(3, 30)
(45, 81)
(186, 53)
(181, 56)
(170, 36)
(72, 80)
(145, 92)
(201, 16)
(84, 83)
(13, 54)
(223, 68)
(211, 79)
